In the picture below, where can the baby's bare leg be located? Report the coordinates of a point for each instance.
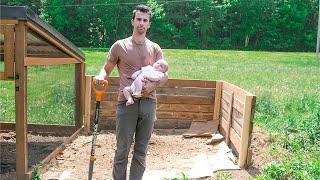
(138, 88)
(127, 94)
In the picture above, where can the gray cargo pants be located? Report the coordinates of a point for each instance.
(135, 120)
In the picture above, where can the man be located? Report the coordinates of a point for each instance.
(137, 120)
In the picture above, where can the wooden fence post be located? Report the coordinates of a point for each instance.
(217, 101)
(21, 102)
(245, 134)
(87, 105)
(79, 85)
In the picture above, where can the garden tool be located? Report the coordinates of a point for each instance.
(99, 89)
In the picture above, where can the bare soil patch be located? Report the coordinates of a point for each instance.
(167, 150)
(39, 147)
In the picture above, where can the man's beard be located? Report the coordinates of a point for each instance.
(141, 30)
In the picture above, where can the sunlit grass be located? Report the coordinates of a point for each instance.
(50, 96)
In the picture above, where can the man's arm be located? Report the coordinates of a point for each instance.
(105, 72)
(151, 86)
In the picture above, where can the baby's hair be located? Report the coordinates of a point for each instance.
(165, 63)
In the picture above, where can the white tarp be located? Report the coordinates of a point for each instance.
(201, 165)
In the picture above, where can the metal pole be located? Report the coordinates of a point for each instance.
(318, 36)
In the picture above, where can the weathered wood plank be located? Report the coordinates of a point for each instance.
(237, 116)
(225, 105)
(235, 139)
(184, 107)
(8, 21)
(171, 115)
(2, 76)
(112, 105)
(79, 91)
(192, 115)
(224, 124)
(8, 49)
(194, 91)
(184, 99)
(236, 126)
(217, 100)
(87, 105)
(167, 99)
(176, 83)
(189, 83)
(35, 61)
(226, 95)
(239, 106)
(224, 114)
(247, 120)
(173, 123)
(229, 120)
(21, 102)
(238, 92)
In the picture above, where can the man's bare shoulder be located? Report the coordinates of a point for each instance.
(152, 44)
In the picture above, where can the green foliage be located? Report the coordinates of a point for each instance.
(299, 135)
(184, 177)
(36, 173)
(223, 176)
(297, 168)
(277, 25)
(303, 135)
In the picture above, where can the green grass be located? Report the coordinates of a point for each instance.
(1, 66)
(50, 96)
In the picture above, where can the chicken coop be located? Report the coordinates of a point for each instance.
(42, 83)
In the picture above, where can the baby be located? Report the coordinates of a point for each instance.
(153, 73)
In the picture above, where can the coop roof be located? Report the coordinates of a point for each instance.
(42, 39)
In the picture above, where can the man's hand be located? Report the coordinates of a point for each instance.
(149, 86)
(152, 85)
(98, 79)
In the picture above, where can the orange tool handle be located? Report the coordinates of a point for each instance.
(99, 92)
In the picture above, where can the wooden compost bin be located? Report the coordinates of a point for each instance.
(182, 101)
(26, 40)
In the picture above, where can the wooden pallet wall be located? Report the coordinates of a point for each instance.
(179, 102)
(236, 115)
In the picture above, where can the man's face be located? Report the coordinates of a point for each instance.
(140, 22)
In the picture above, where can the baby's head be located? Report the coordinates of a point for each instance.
(161, 65)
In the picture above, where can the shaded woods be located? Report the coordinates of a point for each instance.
(276, 25)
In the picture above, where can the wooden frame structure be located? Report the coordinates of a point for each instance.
(180, 102)
(28, 41)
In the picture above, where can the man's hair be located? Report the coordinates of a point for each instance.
(142, 8)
